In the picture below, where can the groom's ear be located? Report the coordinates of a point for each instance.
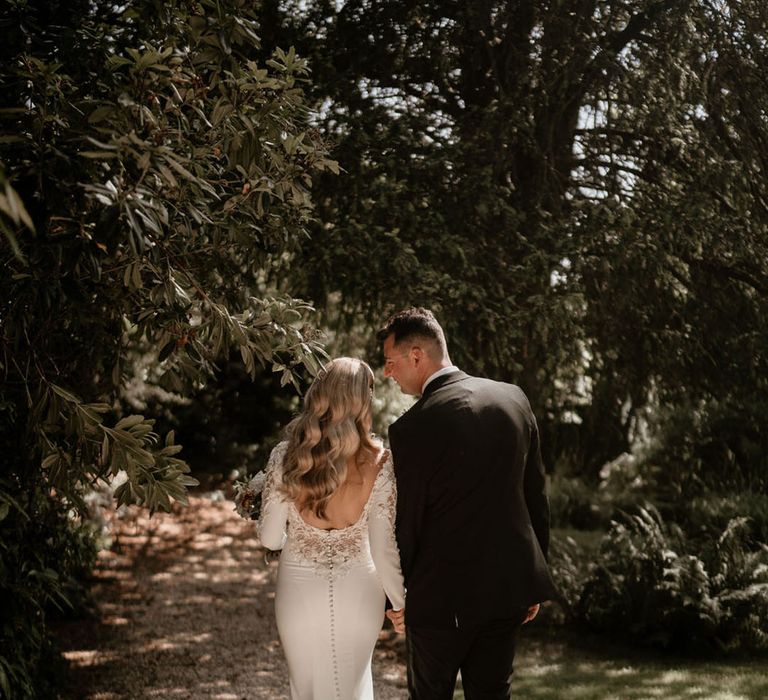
(416, 354)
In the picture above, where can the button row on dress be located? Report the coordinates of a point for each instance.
(337, 686)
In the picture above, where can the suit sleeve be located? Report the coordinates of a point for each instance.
(534, 485)
(410, 499)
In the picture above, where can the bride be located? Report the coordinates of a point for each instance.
(329, 504)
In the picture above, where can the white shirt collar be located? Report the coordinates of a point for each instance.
(444, 370)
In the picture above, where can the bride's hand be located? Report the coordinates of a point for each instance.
(397, 617)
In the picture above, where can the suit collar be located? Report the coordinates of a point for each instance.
(450, 369)
(442, 381)
(432, 387)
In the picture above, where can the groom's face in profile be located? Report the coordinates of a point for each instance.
(399, 365)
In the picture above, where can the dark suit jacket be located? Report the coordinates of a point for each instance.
(472, 513)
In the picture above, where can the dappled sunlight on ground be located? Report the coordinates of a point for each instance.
(549, 667)
(186, 611)
(186, 602)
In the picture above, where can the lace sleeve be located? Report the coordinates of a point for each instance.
(271, 526)
(381, 532)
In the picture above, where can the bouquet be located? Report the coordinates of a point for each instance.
(248, 496)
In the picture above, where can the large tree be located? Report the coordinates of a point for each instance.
(674, 269)
(534, 171)
(153, 172)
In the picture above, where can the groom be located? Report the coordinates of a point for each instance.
(472, 515)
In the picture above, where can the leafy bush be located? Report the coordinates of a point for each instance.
(719, 446)
(229, 423)
(576, 503)
(569, 565)
(741, 576)
(649, 584)
(710, 513)
(45, 554)
(573, 503)
(155, 171)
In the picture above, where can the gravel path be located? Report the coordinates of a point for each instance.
(185, 610)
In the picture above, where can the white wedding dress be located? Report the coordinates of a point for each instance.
(331, 587)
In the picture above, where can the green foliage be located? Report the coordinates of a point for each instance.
(228, 423)
(674, 261)
(708, 515)
(155, 173)
(652, 584)
(568, 564)
(716, 445)
(45, 552)
(574, 503)
(580, 195)
(165, 180)
(13, 214)
(624, 483)
(437, 203)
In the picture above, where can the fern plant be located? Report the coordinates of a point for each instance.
(652, 584)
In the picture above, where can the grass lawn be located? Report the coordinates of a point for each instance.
(551, 667)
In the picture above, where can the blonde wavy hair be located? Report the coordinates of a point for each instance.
(334, 426)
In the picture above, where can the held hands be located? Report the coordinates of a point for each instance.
(397, 617)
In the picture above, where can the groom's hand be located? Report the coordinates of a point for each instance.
(532, 612)
(397, 617)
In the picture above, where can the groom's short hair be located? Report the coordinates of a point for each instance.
(412, 324)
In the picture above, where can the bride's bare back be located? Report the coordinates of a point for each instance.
(346, 505)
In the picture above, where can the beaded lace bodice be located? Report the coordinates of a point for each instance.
(328, 550)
